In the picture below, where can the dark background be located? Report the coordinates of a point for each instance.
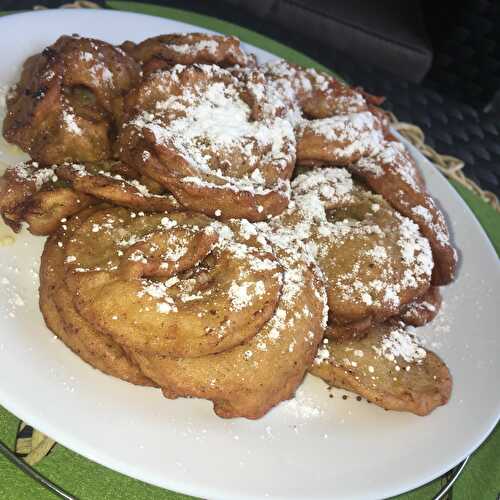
(437, 62)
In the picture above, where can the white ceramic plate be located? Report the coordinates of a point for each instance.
(310, 447)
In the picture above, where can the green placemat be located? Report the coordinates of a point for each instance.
(89, 481)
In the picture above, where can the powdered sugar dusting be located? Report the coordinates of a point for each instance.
(401, 343)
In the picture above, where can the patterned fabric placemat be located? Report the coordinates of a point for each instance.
(87, 480)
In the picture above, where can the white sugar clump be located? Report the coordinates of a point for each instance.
(31, 172)
(400, 343)
(194, 48)
(69, 120)
(415, 250)
(240, 295)
(323, 354)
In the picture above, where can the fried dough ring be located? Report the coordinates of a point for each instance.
(373, 259)
(95, 348)
(192, 130)
(114, 263)
(248, 380)
(165, 51)
(333, 121)
(36, 196)
(69, 99)
(389, 175)
(387, 367)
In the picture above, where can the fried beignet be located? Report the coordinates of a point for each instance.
(389, 367)
(68, 101)
(251, 378)
(192, 130)
(317, 95)
(348, 132)
(125, 273)
(333, 121)
(339, 140)
(389, 175)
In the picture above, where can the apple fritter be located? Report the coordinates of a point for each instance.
(316, 94)
(388, 173)
(177, 284)
(69, 101)
(192, 130)
(389, 367)
(373, 259)
(35, 195)
(251, 378)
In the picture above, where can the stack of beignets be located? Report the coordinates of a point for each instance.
(218, 228)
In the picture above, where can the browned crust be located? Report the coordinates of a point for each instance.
(116, 191)
(358, 329)
(424, 309)
(169, 168)
(44, 98)
(241, 385)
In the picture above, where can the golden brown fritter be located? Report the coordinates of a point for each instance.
(338, 140)
(119, 265)
(353, 133)
(165, 51)
(389, 173)
(192, 130)
(251, 378)
(374, 260)
(95, 348)
(388, 367)
(43, 196)
(69, 101)
(316, 94)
